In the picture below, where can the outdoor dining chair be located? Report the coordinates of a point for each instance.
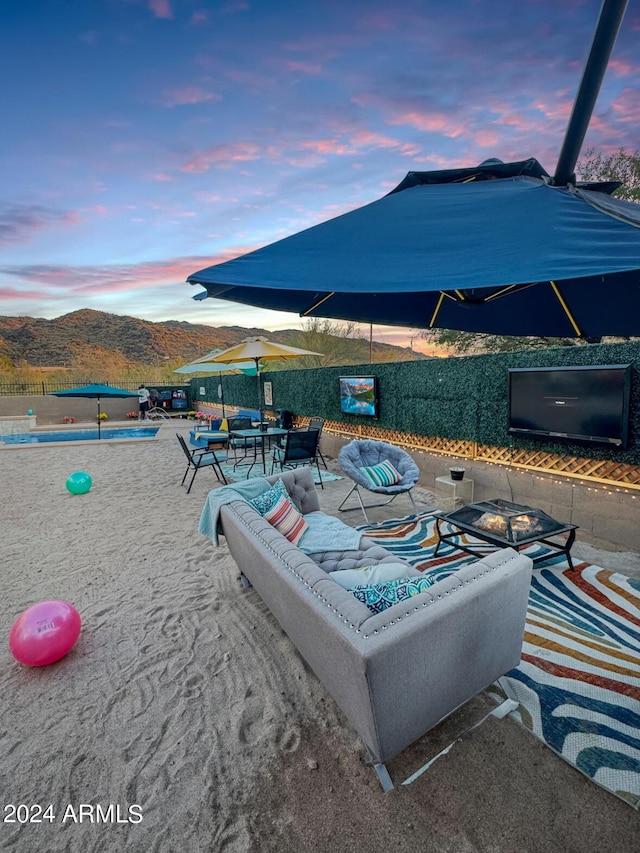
(358, 458)
(202, 457)
(243, 447)
(299, 448)
(318, 423)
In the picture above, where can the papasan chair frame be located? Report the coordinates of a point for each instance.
(362, 453)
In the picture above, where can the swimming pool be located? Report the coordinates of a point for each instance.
(80, 435)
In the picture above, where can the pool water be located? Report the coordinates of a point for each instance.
(80, 435)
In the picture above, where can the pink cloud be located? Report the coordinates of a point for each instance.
(199, 17)
(622, 69)
(161, 176)
(304, 67)
(326, 146)
(161, 9)
(251, 80)
(8, 294)
(221, 156)
(486, 138)
(104, 279)
(348, 143)
(344, 142)
(430, 122)
(559, 109)
(188, 95)
(626, 107)
(20, 222)
(210, 197)
(423, 119)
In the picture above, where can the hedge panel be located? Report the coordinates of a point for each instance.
(460, 398)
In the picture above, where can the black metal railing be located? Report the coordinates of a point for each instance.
(32, 389)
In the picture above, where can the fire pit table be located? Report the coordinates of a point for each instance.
(506, 525)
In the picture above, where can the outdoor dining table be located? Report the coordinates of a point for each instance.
(251, 436)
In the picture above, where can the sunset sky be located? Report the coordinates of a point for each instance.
(145, 139)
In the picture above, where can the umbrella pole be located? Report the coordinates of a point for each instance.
(222, 397)
(98, 417)
(259, 395)
(611, 15)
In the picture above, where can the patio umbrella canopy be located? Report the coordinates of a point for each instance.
(259, 349)
(201, 365)
(495, 248)
(94, 391)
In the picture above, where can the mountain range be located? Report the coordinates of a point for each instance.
(86, 336)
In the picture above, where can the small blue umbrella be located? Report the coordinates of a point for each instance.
(95, 391)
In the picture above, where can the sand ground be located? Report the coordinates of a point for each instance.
(184, 697)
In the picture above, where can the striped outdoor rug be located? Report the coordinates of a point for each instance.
(578, 682)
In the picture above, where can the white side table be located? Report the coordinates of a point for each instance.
(453, 493)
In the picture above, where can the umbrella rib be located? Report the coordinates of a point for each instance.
(434, 316)
(565, 308)
(317, 304)
(510, 288)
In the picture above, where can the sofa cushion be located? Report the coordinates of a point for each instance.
(368, 554)
(380, 596)
(269, 498)
(382, 474)
(369, 575)
(286, 519)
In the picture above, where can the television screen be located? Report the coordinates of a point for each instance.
(359, 396)
(584, 404)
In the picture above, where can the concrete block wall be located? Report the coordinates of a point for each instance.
(49, 410)
(17, 425)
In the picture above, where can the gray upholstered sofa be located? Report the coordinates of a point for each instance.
(394, 674)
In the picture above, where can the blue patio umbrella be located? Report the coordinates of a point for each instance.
(496, 248)
(94, 391)
(502, 248)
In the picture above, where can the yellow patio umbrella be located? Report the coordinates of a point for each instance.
(257, 349)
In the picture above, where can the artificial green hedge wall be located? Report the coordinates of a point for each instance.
(465, 398)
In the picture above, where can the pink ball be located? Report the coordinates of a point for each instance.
(44, 633)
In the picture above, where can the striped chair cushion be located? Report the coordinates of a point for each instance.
(382, 474)
(286, 519)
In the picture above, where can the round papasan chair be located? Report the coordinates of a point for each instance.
(365, 454)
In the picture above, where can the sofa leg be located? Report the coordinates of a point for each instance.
(244, 580)
(381, 770)
(383, 777)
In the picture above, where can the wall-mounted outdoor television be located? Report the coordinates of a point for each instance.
(584, 404)
(359, 396)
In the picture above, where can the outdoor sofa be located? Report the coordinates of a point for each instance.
(394, 674)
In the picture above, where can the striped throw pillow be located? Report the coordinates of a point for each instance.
(382, 474)
(286, 519)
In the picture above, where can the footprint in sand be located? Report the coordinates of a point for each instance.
(251, 728)
(193, 686)
(288, 740)
(254, 727)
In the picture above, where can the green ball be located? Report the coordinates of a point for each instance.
(79, 483)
